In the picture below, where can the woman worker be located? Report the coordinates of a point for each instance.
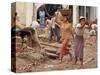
(66, 33)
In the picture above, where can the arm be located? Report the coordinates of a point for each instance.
(58, 21)
(72, 30)
(80, 26)
(46, 22)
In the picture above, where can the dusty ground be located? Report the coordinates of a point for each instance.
(25, 64)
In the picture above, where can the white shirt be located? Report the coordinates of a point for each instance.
(49, 22)
(42, 13)
(79, 31)
(35, 24)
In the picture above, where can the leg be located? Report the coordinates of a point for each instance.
(54, 33)
(70, 55)
(51, 34)
(61, 57)
(40, 20)
(81, 60)
(76, 55)
(81, 52)
(24, 46)
(76, 47)
(43, 20)
(75, 61)
(62, 49)
(58, 34)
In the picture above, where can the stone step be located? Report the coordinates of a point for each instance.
(51, 50)
(55, 45)
(42, 36)
(51, 55)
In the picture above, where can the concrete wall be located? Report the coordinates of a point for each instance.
(21, 10)
(25, 12)
(93, 14)
(29, 13)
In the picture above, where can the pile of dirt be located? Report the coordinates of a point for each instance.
(28, 58)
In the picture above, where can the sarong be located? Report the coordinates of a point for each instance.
(79, 46)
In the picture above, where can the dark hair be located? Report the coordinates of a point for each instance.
(81, 19)
(15, 13)
(47, 18)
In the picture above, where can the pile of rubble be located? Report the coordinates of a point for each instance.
(26, 56)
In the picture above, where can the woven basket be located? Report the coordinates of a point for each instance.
(65, 12)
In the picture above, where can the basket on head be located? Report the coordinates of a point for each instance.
(65, 12)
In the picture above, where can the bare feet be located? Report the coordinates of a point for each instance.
(75, 61)
(81, 65)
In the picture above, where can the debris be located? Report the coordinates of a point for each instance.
(88, 60)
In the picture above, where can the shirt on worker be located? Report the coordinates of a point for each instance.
(49, 22)
(35, 25)
(42, 13)
(79, 31)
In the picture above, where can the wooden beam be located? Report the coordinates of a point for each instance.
(51, 45)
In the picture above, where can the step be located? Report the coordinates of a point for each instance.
(42, 36)
(56, 45)
(52, 55)
(51, 50)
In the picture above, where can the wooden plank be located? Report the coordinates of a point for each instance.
(51, 54)
(52, 50)
(42, 36)
(50, 44)
(88, 60)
